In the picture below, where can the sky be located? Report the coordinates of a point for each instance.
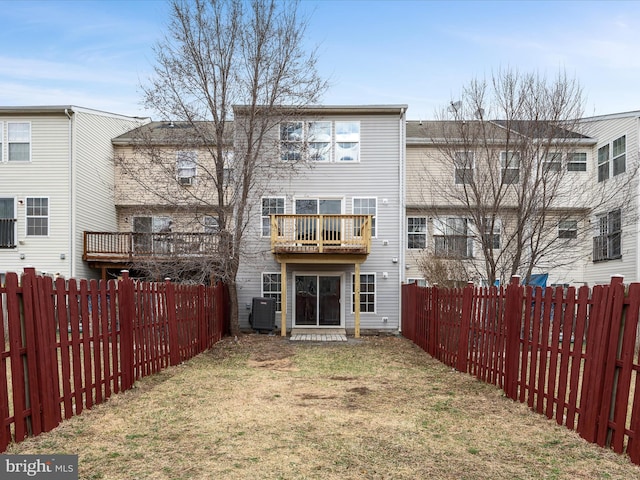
(97, 53)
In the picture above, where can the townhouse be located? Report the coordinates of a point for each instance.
(56, 182)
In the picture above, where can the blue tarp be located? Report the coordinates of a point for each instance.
(537, 280)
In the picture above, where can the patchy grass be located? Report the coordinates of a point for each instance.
(267, 408)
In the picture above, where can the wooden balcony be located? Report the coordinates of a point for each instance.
(321, 234)
(129, 247)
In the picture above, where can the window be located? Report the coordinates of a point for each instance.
(492, 235)
(1, 142)
(272, 288)
(607, 245)
(319, 141)
(452, 238)
(510, 162)
(619, 159)
(211, 225)
(577, 162)
(7, 223)
(291, 137)
(568, 229)
(365, 206)
(37, 217)
(416, 232)
(270, 206)
(603, 163)
(19, 141)
(552, 162)
(186, 167)
(367, 293)
(347, 141)
(421, 282)
(464, 165)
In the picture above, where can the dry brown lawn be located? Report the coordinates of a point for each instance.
(268, 408)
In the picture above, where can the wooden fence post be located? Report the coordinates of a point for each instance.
(219, 310)
(465, 325)
(513, 326)
(434, 320)
(202, 320)
(126, 306)
(172, 321)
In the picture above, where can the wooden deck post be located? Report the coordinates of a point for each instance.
(356, 306)
(283, 299)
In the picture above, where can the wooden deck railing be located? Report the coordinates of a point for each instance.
(321, 234)
(124, 246)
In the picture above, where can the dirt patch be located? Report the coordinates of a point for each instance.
(263, 407)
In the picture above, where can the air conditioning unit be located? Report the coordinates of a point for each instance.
(185, 180)
(263, 314)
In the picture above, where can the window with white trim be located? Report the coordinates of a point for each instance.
(510, 164)
(186, 164)
(366, 206)
(552, 162)
(319, 136)
(18, 141)
(211, 224)
(347, 140)
(492, 233)
(603, 163)
(421, 282)
(291, 141)
(37, 215)
(272, 288)
(270, 206)
(568, 229)
(416, 232)
(464, 163)
(451, 238)
(1, 141)
(619, 157)
(367, 293)
(8, 222)
(607, 245)
(577, 162)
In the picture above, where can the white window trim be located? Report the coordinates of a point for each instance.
(571, 161)
(457, 167)
(3, 154)
(615, 157)
(375, 216)
(497, 230)
(375, 293)
(307, 136)
(6, 157)
(336, 141)
(566, 229)
(186, 180)
(284, 203)
(552, 158)
(215, 228)
(504, 166)
(262, 291)
(425, 233)
(440, 229)
(26, 217)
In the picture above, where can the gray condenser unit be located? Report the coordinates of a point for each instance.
(263, 314)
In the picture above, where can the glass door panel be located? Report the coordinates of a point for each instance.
(306, 300)
(329, 311)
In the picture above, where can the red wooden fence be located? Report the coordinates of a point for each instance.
(569, 354)
(69, 345)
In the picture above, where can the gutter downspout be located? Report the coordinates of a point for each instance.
(72, 221)
(401, 212)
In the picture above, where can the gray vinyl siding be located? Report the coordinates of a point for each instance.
(94, 178)
(376, 175)
(606, 130)
(44, 176)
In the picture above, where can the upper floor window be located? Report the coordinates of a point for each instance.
(1, 142)
(270, 206)
(510, 163)
(464, 165)
(37, 216)
(612, 158)
(347, 141)
(552, 162)
(452, 239)
(319, 141)
(607, 245)
(186, 163)
(291, 138)
(366, 206)
(568, 229)
(577, 162)
(416, 232)
(18, 141)
(619, 158)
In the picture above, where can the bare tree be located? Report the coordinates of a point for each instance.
(503, 171)
(221, 57)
